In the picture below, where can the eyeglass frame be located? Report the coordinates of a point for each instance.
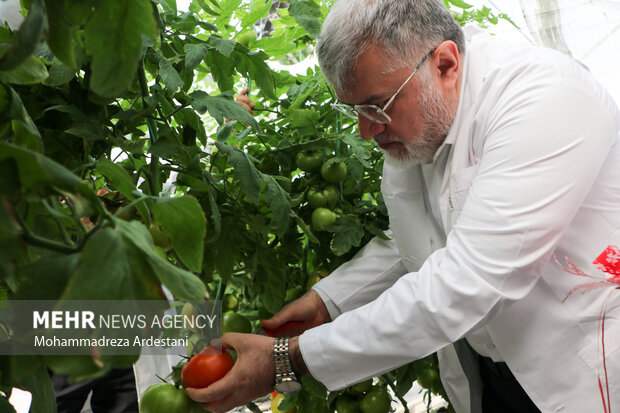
(349, 110)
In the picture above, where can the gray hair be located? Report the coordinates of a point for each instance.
(405, 30)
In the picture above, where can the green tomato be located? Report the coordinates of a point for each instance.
(166, 398)
(235, 323)
(334, 171)
(247, 38)
(189, 315)
(229, 302)
(327, 197)
(315, 277)
(362, 387)
(428, 377)
(322, 218)
(345, 403)
(309, 160)
(377, 400)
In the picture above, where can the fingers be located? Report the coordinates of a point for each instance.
(251, 376)
(245, 100)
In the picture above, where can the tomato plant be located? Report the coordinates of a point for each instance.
(131, 124)
(166, 398)
(206, 368)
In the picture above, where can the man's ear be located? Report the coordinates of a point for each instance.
(447, 61)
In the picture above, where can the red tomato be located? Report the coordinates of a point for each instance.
(206, 368)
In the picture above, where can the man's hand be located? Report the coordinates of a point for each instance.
(309, 308)
(245, 101)
(251, 377)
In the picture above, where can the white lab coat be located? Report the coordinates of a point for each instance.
(533, 170)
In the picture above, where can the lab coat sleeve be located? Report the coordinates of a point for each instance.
(545, 136)
(359, 281)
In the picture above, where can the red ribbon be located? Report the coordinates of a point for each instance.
(609, 262)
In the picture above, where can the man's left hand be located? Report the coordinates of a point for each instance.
(251, 377)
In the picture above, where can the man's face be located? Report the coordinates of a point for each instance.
(421, 113)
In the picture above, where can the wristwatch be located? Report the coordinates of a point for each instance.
(286, 381)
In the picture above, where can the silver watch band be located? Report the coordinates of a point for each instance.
(286, 381)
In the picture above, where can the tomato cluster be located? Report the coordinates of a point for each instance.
(323, 195)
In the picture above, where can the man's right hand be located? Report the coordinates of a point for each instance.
(309, 309)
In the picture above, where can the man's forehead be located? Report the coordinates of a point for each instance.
(369, 79)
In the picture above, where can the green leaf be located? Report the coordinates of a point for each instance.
(272, 289)
(61, 33)
(253, 65)
(183, 220)
(31, 71)
(226, 251)
(222, 108)
(37, 382)
(348, 233)
(169, 76)
(38, 172)
(256, 14)
(120, 263)
(77, 367)
(121, 181)
(182, 284)
(27, 38)
(308, 118)
(314, 387)
(280, 204)
(59, 74)
(47, 278)
(460, 4)
(113, 38)
(251, 178)
(307, 14)
(194, 55)
(224, 46)
(222, 69)
(5, 406)
(112, 268)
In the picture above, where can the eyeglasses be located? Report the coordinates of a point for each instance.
(374, 112)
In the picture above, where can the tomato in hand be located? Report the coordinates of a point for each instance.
(206, 368)
(166, 398)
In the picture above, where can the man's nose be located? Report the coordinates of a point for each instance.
(368, 129)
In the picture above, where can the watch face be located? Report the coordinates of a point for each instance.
(288, 386)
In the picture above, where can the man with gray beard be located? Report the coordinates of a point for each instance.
(501, 183)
